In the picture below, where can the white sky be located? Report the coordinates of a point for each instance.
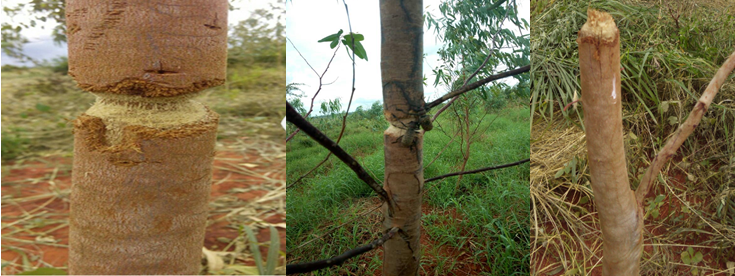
(309, 21)
(41, 46)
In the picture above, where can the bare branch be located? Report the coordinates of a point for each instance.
(673, 144)
(295, 118)
(477, 84)
(477, 171)
(347, 112)
(311, 107)
(338, 260)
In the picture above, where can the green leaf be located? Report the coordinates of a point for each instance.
(583, 200)
(44, 271)
(334, 44)
(357, 37)
(697, 257)
(254, 248)
(360, 51)
(331, 37)
(273, 249)
(685, 258)
(42, 107)
(559, 173)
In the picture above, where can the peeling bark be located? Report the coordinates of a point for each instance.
(621, 218)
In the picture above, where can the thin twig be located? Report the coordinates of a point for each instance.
(673, 144)
(477, 171)
(338, 260)
(347, 112)
(311, 107)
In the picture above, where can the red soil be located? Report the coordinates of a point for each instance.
(653, 227)
(462, 258)
(56, 256)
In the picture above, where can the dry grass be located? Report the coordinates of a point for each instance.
(565, 229)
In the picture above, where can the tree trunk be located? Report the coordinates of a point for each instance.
(143, 152)
(401, 24)
(621, 218)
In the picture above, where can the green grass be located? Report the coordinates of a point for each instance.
(333, 207)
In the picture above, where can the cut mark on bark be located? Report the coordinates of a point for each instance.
(213, 27)
(121, 114)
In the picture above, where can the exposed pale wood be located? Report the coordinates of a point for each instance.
(620, 216)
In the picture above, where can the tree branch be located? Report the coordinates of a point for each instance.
(338, 260)
(478, 84)
(295, 118)
(477, 171)
(673, 144)
(311, 107)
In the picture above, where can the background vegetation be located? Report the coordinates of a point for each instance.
(669, 52)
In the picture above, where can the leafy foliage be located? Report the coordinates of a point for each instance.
(470, 34)
(348, 40)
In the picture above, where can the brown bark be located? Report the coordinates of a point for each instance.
(401, 25)
(620, 216)
(140, 207)
(143, 152)
(686, 129)
(148, 48)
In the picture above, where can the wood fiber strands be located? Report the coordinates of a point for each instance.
(143, 152)
(620, 217)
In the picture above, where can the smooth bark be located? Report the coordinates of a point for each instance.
(621, 218)
(401, 24)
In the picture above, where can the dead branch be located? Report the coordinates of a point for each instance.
(295, 118)
(338, 260)
(673, 144)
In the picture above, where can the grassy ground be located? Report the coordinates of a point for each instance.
(669, 52)
(479, 228)
(249, 173)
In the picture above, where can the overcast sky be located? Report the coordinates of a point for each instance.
(42, 47)
(309, 21)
